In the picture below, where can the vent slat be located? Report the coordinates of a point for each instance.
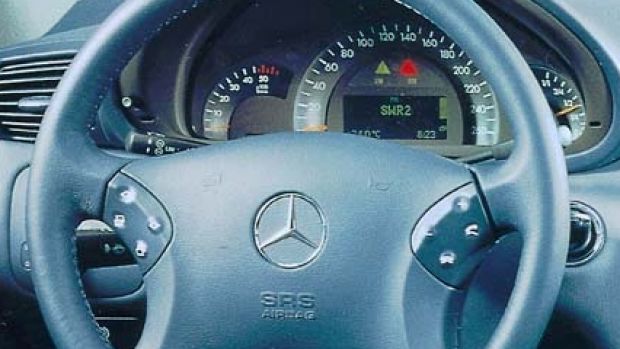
(23, 78)
(23, 130)
(59, 70)
(35, 64)
(29, 139)
(20, 124)
(5, 114)
(33, 80)
(29, 92)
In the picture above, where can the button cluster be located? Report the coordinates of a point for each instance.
(451, 239)
(139, 219)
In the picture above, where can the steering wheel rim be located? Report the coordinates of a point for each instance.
(64, 148)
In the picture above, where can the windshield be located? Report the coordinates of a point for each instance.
(29, 19)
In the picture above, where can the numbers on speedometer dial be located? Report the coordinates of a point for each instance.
(399, 81)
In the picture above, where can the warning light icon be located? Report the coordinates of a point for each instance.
(383, 69)
(409, 68)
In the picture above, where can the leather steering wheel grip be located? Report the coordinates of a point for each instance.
(69, 175)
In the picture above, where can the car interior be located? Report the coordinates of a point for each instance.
(309, 174)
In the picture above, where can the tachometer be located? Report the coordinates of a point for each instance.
(398, 81)
(566, 102)
(232, 90)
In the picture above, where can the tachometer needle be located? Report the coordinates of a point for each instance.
(566, 111)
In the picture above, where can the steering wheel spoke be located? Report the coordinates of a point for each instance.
(138, 218)
(453, 237)
(501, 183)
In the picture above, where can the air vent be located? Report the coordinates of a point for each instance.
(27, 83)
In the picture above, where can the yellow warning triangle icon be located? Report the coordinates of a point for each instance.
(383, 69)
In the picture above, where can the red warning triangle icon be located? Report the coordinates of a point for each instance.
(408, 68)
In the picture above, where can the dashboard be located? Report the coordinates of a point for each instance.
(373, 69)
(358, 67)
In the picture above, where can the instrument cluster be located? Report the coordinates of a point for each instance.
(373, 69)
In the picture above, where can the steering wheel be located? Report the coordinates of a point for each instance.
(299, 240)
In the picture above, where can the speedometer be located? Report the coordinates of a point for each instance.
(398, 81)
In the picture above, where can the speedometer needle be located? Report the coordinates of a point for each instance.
(568, 110)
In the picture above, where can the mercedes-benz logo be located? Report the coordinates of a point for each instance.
(290, 230)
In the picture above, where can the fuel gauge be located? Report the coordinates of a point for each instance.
(566, 101)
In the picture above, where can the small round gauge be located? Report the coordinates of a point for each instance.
(407, 82)
(566, 102)
(259, 80)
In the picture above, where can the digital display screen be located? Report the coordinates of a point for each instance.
(396, 117)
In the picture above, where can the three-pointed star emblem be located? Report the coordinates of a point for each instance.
(290, 230)
(270, 238)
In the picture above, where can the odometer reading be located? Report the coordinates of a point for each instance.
(399, 81)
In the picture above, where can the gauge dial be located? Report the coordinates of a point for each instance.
(232, 90)
(407, 82)
(567, 104)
